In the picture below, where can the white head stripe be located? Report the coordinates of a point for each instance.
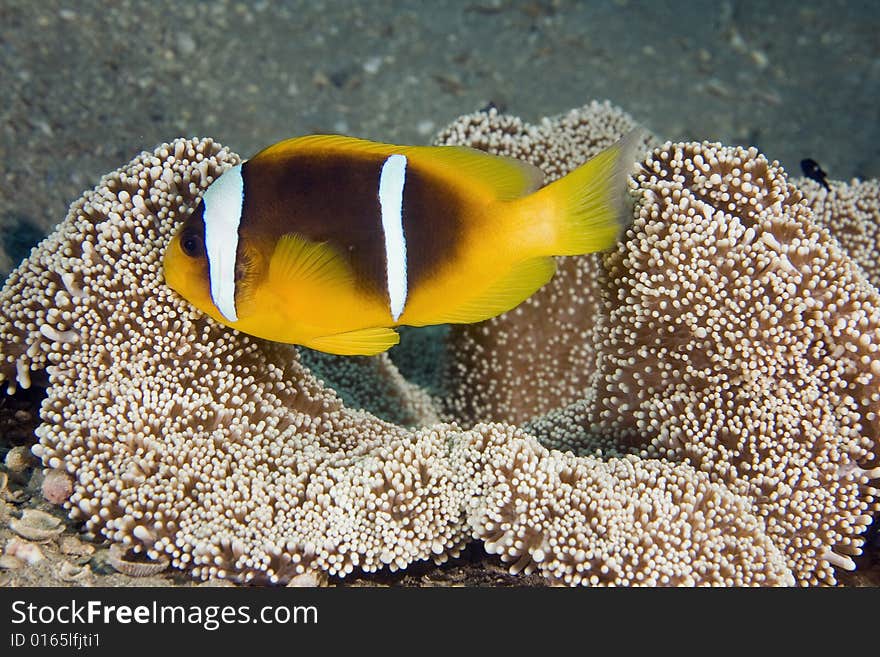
(391, 183)
(223, 201)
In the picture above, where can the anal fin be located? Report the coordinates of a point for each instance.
(362, 342)
(521, 282)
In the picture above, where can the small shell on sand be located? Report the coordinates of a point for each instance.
(72, 546)
(16, 495)
(4, 481)
(36, 525)
(123, 563)
(18, 459)
(29, 553)
(10, 562)
(70, 572)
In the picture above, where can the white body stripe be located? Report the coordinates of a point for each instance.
(223, 201)
(391, 182)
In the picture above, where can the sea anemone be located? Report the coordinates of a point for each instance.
(721, 360)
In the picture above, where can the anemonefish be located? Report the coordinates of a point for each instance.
(330, 242)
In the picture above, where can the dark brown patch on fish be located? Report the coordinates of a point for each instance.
(327, 198)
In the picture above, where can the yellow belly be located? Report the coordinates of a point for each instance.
(299, 315)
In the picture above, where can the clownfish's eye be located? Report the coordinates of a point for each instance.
(191, 244)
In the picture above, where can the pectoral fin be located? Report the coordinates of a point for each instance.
(297, 262)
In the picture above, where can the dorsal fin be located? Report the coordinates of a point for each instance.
(504, 178)
(326, 143)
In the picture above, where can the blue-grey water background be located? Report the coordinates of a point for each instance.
(87, 84)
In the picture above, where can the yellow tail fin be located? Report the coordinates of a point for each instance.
(586, 210)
